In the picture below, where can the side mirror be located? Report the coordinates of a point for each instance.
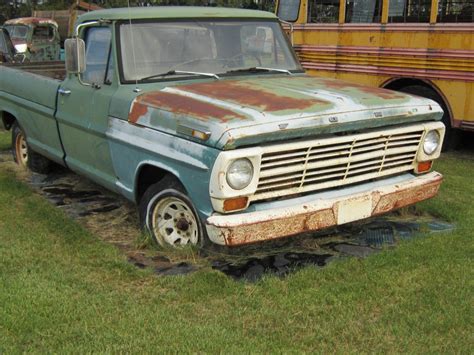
(75, 50)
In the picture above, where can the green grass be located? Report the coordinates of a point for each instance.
(63, 290)
(5, 139)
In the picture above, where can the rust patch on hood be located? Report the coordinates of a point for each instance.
(381, 93)
(180, 104)
(244, 94)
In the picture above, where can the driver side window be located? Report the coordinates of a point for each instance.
(98, 45)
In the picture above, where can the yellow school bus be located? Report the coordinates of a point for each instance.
(423, 47)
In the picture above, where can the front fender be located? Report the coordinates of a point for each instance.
(134, 146)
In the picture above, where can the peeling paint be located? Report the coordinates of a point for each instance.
(373, 91)
(180, 104)
(247, 228)
(138, 109)
(242, 93)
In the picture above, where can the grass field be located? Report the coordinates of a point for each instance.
(63, 290)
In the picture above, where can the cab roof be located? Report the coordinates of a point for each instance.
(30, 21)
(173, 12)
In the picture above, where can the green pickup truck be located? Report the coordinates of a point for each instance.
(205, 119)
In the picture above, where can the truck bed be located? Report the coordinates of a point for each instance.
(29, 92)
(31, 86)
(54, 70)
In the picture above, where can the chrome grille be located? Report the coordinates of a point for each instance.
(336, 161)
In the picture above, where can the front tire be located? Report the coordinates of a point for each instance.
(169, 215)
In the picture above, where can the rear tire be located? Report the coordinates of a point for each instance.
(20, 149)
(24, 156)
(451, 137)
(170, 216)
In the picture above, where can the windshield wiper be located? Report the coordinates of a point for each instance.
(179, 72)
(259, 69)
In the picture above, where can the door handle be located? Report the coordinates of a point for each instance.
(64, 92)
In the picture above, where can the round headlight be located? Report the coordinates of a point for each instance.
(431, 142)
(239, 174)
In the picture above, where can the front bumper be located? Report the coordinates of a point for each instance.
(318, 211)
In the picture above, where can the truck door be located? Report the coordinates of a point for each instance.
(83, 110)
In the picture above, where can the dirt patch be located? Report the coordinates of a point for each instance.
(115, 220)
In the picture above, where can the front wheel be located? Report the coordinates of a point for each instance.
(169, 215)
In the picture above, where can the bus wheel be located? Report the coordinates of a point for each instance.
(24, 156)
(451, 138)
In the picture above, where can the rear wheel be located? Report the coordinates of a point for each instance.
(451, 137)
(169, 215)
(20, 148)
(24, 156)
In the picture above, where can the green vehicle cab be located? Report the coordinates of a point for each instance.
(37, 38)
(206, 120)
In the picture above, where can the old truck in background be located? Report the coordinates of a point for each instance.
(205, 119)
(66, 19)
(36, 38)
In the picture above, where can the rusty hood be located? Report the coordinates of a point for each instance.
(229, 113)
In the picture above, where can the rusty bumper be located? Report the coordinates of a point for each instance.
(322, 210)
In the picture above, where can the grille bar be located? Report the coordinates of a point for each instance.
(336, 161)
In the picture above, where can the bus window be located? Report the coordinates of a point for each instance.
(288, 10)
(324, 11)
(456, 11)
(363, 11)
(409, 11)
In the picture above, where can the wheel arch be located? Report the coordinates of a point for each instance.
(399, 83)
(8, 119)
(149, 173)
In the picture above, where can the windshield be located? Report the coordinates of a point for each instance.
(17, 31)
(150, 48)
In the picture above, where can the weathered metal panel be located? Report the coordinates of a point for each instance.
(32, 99)
(248, 111)
(132, 146)
(319, 213)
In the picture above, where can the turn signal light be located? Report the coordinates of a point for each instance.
(424, 166)
(235, 204)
